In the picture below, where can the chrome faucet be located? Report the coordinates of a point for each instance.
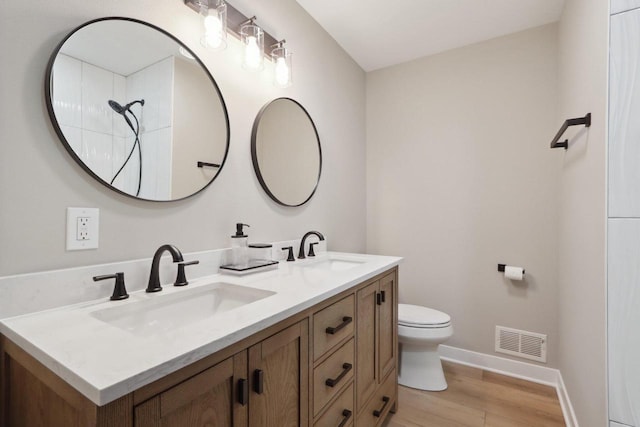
(304, 238)
(154, 277)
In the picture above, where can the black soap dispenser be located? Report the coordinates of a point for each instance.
(240, 246)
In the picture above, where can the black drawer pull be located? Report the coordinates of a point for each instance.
(347, 416)
(346, 367)
(377, 413)
(345, 321)
(383, 296)
(258, 381)
(243, 391)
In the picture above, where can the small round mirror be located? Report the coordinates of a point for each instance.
(286, 152)
(137, 109)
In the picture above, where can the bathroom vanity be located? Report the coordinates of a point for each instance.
(313, 343)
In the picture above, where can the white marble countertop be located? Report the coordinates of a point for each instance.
(104, 361)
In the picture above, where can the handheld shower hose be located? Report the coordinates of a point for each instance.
(123, 110)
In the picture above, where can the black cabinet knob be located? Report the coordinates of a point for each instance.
(258, 381)
(331, 330)
(347, 416)
(332, 382)
(378, 412)
(243, 391)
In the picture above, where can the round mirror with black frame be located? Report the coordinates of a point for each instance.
(137, 109)
(286, 152)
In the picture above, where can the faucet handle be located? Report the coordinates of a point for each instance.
(290, 256)
(181, 278)
(311, 251)
(119, 290)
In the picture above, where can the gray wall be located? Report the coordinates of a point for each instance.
(38, 179)
(194, 139)
(582, 84)
(460, 178)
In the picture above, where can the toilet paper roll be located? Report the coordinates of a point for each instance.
(513, 273)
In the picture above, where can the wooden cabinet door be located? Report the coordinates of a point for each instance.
(211, 398)
(387, 346)
(366, 343)
(279, 379)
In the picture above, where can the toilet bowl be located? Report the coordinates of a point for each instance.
(420, 331)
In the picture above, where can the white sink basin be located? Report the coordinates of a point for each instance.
(335, 263)
(160, 313)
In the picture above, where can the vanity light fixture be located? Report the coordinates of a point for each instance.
(282, 60)
(252, 38)
(215, 24)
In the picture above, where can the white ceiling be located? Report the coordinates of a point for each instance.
(123, 47)
(380, 33)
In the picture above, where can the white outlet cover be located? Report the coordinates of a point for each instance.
(93, 227)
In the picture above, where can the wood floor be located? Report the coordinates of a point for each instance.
(478, 398)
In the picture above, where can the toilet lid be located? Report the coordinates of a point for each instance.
(418, 316)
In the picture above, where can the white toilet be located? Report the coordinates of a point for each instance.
(420, 331)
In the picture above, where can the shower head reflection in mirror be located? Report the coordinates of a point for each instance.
(136, 132)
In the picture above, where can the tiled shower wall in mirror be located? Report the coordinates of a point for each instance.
(101, 137)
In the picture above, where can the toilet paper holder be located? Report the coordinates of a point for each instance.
(502, 266)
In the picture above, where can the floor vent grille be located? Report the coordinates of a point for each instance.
(515, 342)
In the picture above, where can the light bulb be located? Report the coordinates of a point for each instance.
(252, 53)
(282, 72)
(212, 31)
(215, 25)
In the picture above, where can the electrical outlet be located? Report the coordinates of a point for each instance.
(82, 233)
(82, 228)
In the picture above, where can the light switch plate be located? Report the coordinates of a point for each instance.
(83, 225)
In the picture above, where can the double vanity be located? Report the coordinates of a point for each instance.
(312, 343)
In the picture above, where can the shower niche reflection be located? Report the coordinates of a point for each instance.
(137, 109)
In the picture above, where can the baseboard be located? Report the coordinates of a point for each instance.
(513, 368)
(567, 409)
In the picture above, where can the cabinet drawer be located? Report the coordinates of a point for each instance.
(377, 408)
(332, 324)
(341, 410)
(338, 370)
